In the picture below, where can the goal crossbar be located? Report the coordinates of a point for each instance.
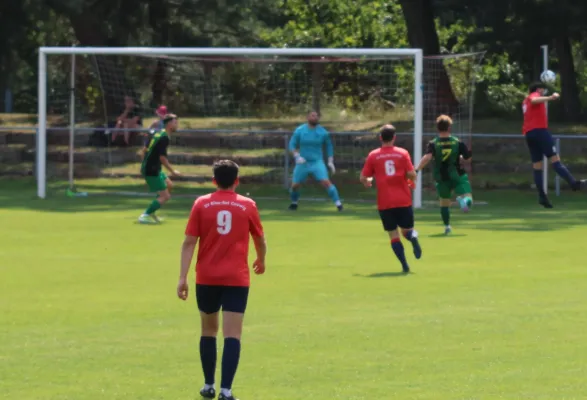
(416, 54)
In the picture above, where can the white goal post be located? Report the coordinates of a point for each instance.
(41, 153)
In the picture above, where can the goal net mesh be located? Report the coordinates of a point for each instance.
(242, 108)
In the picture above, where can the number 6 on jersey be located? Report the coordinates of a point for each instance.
(389, 168)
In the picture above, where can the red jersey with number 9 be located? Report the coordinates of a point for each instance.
(389, 165)
(223, 221)
(534, 114)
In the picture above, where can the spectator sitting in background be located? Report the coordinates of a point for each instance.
(129, 119)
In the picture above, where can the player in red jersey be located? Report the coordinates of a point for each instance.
(393, 171)
(222, 221)
(540, 141)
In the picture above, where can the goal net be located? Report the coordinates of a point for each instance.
(241, 104)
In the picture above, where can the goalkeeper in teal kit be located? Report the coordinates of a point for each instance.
(307, 144)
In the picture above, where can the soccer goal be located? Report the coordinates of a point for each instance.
(96, 106)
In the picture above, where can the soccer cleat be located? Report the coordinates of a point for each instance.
(463, 204)
(340, 207)
(225, 397)
(417, 248)
(447, 230)
(544, 202)
(405, 269)
(578, 185)
(208, 393)
(145, 219)
(293, 207)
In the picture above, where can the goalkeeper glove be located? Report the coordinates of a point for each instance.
(299, 159)
(331, 164)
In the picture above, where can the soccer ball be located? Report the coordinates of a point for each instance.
(548, 76)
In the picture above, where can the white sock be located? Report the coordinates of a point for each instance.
(338, 203)
(208, 387)
(226, 392)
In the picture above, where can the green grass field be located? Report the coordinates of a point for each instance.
(496, 311)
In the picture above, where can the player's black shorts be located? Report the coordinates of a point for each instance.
(540, 143)
(391, 218)
(212, 298)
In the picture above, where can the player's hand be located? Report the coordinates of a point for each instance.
(555, 96)
(300, 160)
(259, 267)
(331, 165)
(182, 289)
(368, 182)
(175, 173)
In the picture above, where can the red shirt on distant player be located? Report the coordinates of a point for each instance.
(534, 114)
(389, 165)
(223, 221)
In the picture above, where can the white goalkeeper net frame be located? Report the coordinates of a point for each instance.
(401, 88)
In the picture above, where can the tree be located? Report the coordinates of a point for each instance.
(439, 96)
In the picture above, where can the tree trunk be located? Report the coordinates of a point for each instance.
(113, 82)
(317, 71)
(571, 104)
(438, 94)
(159, 83)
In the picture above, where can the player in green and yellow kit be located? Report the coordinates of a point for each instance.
(448, 152)
(155, 157)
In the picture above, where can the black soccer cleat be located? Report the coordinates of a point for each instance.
(340, 208)
(293, 207)
(578, 185)
(417, 248)
(405, 269)
(544, 202)
(209, 393)
(224, 397)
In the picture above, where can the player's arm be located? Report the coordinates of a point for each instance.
(366, 177)
(329, 151)
(464, 152)
(294, 146)
(427, 157)
(544, 99)
(187, 251)
(411, 173)
(256, 231)
(163, 144)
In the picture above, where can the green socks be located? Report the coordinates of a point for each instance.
(155, 205)
(445, 213)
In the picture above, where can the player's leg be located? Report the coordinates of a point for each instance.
(463, 191)
(549, 150)
(209, 300)
(234, 304)
(300, 174)
(321, 174)
(388, 219)
(534, 143)
(156, 184)
(444, 190)
(405, 219)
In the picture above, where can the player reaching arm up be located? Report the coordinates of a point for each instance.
(222, 221)
(540, 142)
(306, 145)
(448, 152)
(155, 157)
(392, 167)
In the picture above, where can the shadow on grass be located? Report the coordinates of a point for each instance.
(443, 235)
(507, 210)
(389, 274)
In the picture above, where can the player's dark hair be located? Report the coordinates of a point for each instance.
(443, 123)
(169, 117)
(225, 173)
(387, 133)
(534, 86)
